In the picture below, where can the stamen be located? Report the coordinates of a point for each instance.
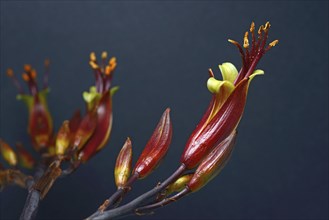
(10, 73)
(27, 68)
(240, 50)
(113, 63)
(93, 65)
(267, 26)
(260, 30)
(33, 74)
(245, 40)
(46, 75)
(211, 73)
(92, 57)
(274, 43)
(252, 31)
(104, 55)
(107, 70)
(25, 77)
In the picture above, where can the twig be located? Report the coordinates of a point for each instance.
(33, 198)
(149, 208)
(115, 198)
(131, 206)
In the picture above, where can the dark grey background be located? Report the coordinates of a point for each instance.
(279, 169)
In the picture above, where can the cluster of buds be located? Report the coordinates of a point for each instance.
(79, 138)
(206, 152)
(210, 145)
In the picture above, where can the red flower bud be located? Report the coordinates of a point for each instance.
(213, 163)
(156, 148)
(85, 130)
(219, 127)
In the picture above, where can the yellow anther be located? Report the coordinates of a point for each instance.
(27, 68)
(273, 43)
(233, 42)
(33, 73)
(252, 27)
(25, 77)
(267, 26)
(10, 72)
(104, 55)
(260, 29)
(107, 70)
(92, 57)
(245, 40)
(113, 61)
(93, 65)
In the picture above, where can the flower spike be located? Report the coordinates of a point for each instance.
(99, 101)
(229, 97)
(40, 126)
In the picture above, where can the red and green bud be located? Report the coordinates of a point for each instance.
(122, 168)
(99, 100)
(8, 154)
(212, 164)
(63, 138)
(229, 97)
(179, 184)
(156, 148)
(40, 125)
(86, 130)
(25, 159)
(74, 124)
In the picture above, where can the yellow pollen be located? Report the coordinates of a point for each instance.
(93, 65)
(92, 57)
(104, 55)
(10, 72)
(27, 68)
(245, 40)
(25, 77)
(252, 27)
(273, 43)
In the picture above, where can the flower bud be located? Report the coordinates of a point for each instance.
(24, 157)
(213, 163)
(102, 130)
(156, 148)
(8, 153)
(179, 184)
(74, 124)
(123, 164)
(85, 130)
(63, 138)
(218, 128)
